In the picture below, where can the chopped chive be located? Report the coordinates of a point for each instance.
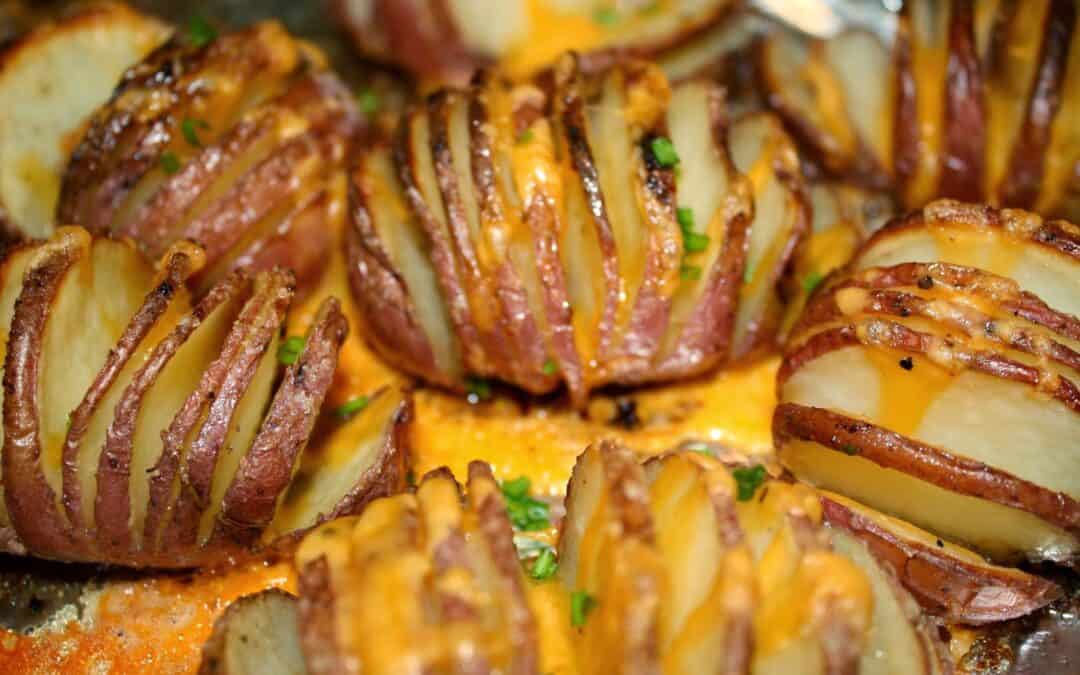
(581, 603)
(606, 16)
(529, 548)
(549, 367)
(200, 32)
(694, 242)
(190, 128)
(685, 216)
(690, 273)
(526, 513)
(289, 350)
(170, 163)
(747, 480)
(351, 407)
(525, 137)
(849, 449)
(748, 274)
(811, 281)
(368, 101)
(663, 150)
(477, 389)
(545, 566)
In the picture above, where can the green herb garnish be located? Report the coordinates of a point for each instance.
(606, 16)
(368, 101)
(200, 32)
(748, 274)
(849, 449)
(690, 273)
(549, 367)
(170, 163)
(685, 216)
(351, 407)
(190, 128)
(529, 548)
(700, 448)
(525, 136)
(811, 281)
(477, 389)
(663, 151)
(526, 513)
(581, 603)
(694, 242)
(545, 566)
(747, 480)
(289, 350)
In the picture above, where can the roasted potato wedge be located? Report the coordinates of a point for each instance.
(447, 41)
(141, 430)
(259, 633)
(51, 81)
(442, 568)
(965, 100)
(547, 239)
(936, 380)
(235, 145)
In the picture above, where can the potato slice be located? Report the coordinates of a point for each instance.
(764, 153)
(946, 579)
(707, 616)
(258, 633)
(445, 569)
(51, 81)
(608, 557)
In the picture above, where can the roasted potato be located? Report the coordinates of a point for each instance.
(51, 81)
(259, 633)
(447, 41)
(936, 380)
(236, 143)
(419, 583)
(614, 231)
(967, 100)
(142, 429)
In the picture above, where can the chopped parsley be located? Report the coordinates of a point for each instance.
(368, 101)
(289, 350)
(190, 128)
(549, 367)
(200, 32)
(525, 136)
(526, 513)
(663, 150)
(811, 282)
(351, 407)
(747, 480)
(581, 603)
(545, 566)
(170, 163)
(477, 389)
(690, 273)
(606, 16)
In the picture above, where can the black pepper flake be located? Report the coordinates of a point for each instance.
(626, 414)
(926, 283)
(906, 363)
(940, 544)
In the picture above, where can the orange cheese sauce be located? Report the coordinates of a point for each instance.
(155, 624)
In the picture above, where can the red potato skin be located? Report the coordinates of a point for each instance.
(906, 142)
(253, 333)
(944, 585)
(927, 463)
(965, 115)
(112, 503)
(1024, 177)
(30, 500)
(177, 268)
(268, 467)
(442, 252)
(381, 297)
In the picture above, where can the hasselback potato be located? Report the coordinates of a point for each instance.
(936, 379)
(143, 428)
(614, 230)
